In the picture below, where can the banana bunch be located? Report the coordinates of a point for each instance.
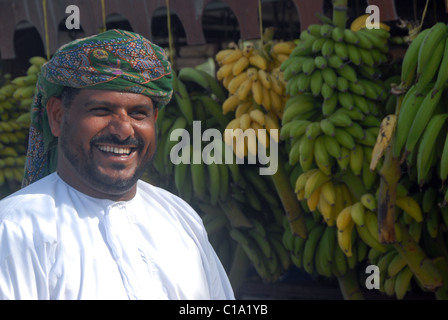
(16, 96)
(320, 254)
(256, 90)
(396, 277)
(264, 247)
(420, 137)
(331, 119)
(344, 140)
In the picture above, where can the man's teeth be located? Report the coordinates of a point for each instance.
(115, 150)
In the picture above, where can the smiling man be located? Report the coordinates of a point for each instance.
(84, 226)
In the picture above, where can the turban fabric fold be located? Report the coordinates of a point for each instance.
(114, 60)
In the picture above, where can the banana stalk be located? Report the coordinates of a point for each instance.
(340, 13)
(234, 214)
(349, 286)
(389, 176)
(292, 208)
(421, 265)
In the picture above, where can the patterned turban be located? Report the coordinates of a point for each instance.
(114, 60)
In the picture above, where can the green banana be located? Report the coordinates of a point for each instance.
(182, 99)
(396, 265)
(402, 282)
(327, 127)
(409, 63)
(409, 107)
(309, 249)
(429, 45)
(198, 174)
(328, 48)
(332, 146)
(316, 82)
(337, 34)
(427, 144)
(214, 86)
(350, 36)
(354, 54)
(330, 77)
(341, 50)
(348, 72)
(329, 105)
(432, 221)
(340, 119)
(443, 170)
(368, 239)
(422, 117)
(427, 73)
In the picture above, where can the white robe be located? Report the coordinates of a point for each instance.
(58, 243)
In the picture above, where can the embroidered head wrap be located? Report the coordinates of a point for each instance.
(114, 60)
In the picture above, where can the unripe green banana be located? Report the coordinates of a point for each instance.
(335, 62)
(328, 48)
(308, 66)
(310, 248)
(427, 74)
(346, 100)
(316, 82)
(345, 139)
(422, 117)
(428, 144)
(326, 30)
(321, 155)
(354, 54)
(329, 105)
(340, 119)
(337, 34)
(320, 62)
(348, 72)
(317, 45)
(409, 63)
(330, 77)
(313, 130)
(357, 159)
(429, 45)
(327, 127)
(402, 282)
(342, 84)
(333, 147)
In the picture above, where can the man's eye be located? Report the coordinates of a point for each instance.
(100, 111)
(139, 115)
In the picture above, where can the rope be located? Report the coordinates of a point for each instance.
(260, 22)
(170, 35)
(47, 37)
(103, 12)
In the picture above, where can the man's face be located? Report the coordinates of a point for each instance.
(106, 141)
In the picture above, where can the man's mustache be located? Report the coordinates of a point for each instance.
(113, 139)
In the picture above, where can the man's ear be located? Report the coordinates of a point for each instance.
(55, 111)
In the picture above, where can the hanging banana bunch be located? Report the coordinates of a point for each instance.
(16, 96)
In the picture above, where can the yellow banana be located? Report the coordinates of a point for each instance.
(258, 61)
(257, 91)
(235, 83)
(344, 218)
(240, 65)
(410, 206)
(258, 116)
(230, 104)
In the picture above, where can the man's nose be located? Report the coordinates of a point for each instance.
(121, 126)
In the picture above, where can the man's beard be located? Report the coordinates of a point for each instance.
(84, 166)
